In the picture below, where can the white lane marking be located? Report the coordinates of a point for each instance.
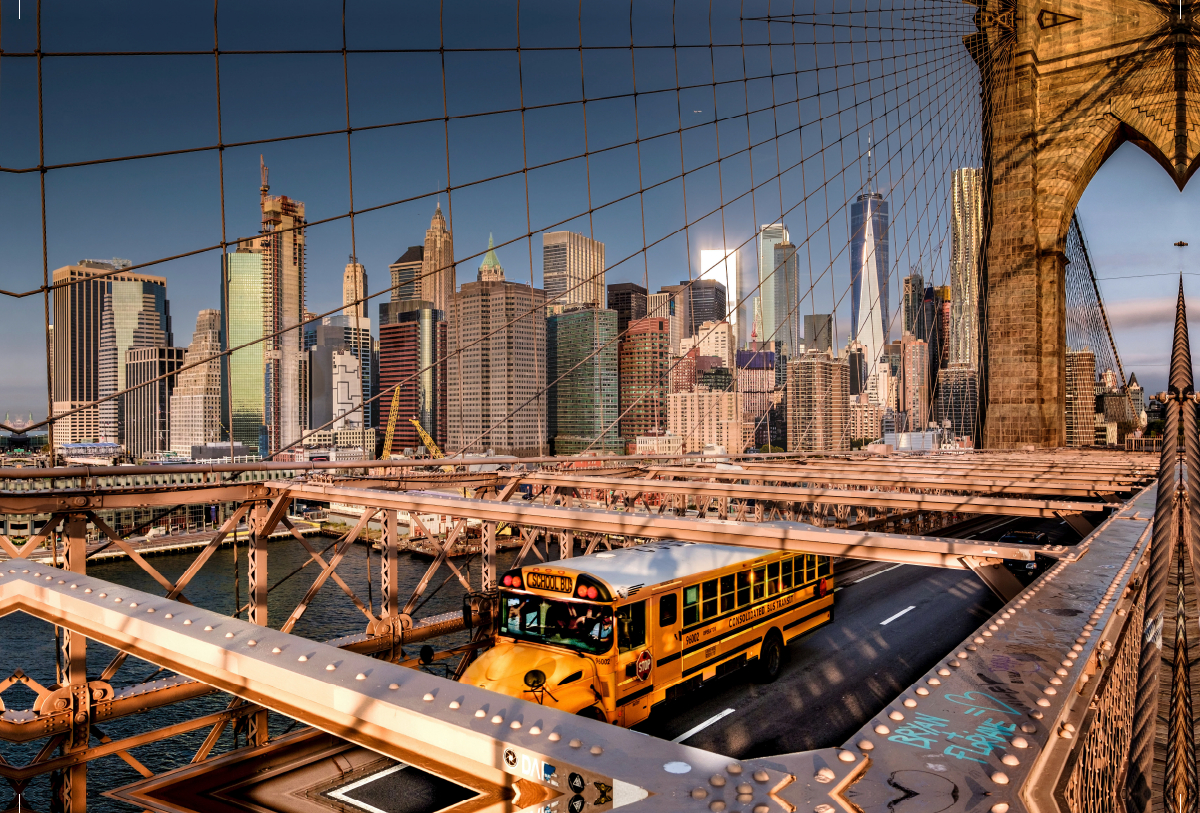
(876, 573)
(340, 793)
(702, 726)
(972, 536)
(897, 615)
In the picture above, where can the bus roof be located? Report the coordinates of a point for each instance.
(626, 570)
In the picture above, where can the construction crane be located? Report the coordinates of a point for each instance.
(434, 451)
(391, 427)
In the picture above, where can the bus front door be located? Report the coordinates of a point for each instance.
(668, 643)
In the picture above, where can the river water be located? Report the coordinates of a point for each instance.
(28, 644)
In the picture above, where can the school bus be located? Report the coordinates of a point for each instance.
(613, 634)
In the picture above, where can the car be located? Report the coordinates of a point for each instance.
(1026, 572)
(1024, 538)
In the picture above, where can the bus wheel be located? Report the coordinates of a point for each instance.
(770, 658)
(592, 713)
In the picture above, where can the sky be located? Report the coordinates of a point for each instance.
(790, 124)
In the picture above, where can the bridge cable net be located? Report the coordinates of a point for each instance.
(865, 101)
(662, 130)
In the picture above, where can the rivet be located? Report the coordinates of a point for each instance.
(229, 635)
(169, 615)
(330, 668)
(762, 809)
(275, 650)
(1066, 735)
(454, 704)
(978, 640)
(921, 690)
(535, 730)
(1000, 778)
(865, 745)
(909, 703)
(971, 648)
(208, 627)
(554, 736)
(393, 686)
(132, 604)
(934, 682)
(482, 713)
(823, 809)
(846, 756)
(1041, 701)
(515, 724)
(825, 776)
(1050, 690)
(302, 658)
(1000, 807)
(74, 587)
(944, 672)
(961, 655)
(497, 719)
(987, 634)
(102, 595)
(744, 789)
(1020, 742)
(187, 622)
(716, 780)
(761, 776)
(716, 806)
(955, 664)
(882, 730)
(1035, 714)
(360, 676)
(86, 589)
(699, 793)
(1009, 759)
(428, 697)
(734, 768)
(252, 642)
(149, 609)
(575, 743)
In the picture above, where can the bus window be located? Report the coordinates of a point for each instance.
(772, 578)
(743, 583)
(787, 573)
(823, 566)
(691, 605)
(668, 610)
(728, 593)
(810, 567)
(631, 626)
(710, 598)
(760, 583)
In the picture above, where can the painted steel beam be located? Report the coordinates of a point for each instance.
(797, 536)
(976, 504)
(1013, 484)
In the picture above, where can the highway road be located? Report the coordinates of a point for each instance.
(891, 624)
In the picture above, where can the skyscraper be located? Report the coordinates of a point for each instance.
(582, 411)
(818, 332)
(818, 403)
(709, 303)
(718, 265)
(712, 339)
(497, 369)
(966, 232)
(572, 269)
(78, 307)
(412, 347)
(913, 316)
(644, 362)
(195, 415)
(869, 267)
(1081, 397)
(769, 236)
(628, 299)
(354, 334)
(146, 412)
(354, 289)
(782, 320)
(406, 272)
(136, 314)
(914, 382)
(662, 305)
(438, 282)
(282, 251)
(490, 269)
(680, 309)
(335, 391)
(707, 416)
(244, 371)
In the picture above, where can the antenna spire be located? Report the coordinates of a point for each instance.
(262, 171)
(870, 179)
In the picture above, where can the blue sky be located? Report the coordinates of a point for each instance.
(798, 153)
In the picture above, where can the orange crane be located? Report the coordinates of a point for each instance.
(391, 427)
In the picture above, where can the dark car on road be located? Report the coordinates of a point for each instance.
(1026, 571)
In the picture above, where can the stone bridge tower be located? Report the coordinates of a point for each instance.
(1065, 82)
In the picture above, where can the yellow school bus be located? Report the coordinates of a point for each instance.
(613, 634)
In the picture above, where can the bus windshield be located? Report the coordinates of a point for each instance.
(571, 624)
